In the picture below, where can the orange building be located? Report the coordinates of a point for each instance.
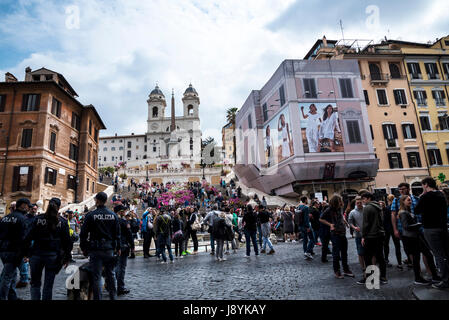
(48, 140)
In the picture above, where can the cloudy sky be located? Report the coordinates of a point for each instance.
(113, 52)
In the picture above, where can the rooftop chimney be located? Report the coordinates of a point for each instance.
(9, 77)
(324, 41)
(28, 74)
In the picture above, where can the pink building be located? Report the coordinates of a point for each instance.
(306, 131)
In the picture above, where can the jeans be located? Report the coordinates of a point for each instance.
(250, 235)
(308, 241)
(340, 252)
(147, 236)
(416, 246)
(325, 238)
(164, 242)
(374, 248)
(52, 267)
(120, 269)
(397, 247)
(8, 276)
(438, 242)
(189, 233)
(212, 243)
(178, 248)
(23, 269)
(219, 251)
(98, 260)
(259, 232)
(266, 229)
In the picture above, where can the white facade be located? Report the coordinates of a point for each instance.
(159, 145)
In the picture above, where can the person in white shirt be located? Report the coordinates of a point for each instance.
(327, 129)
(284, 129)
(313, 127)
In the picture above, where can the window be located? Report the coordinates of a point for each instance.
(425, 123)
(56, 107)
(399, 97)
(346, 88)
(112, 148)
(121, 158)
(31, 102)
(309, 88)
(22, 179)
(353, 131)
(190, 110)
(90, 127)
(88, 156)
(443, 121)
(390, 134)
(145, 148)
(129, 144)
(52, 141)
(382, 97)
(446, 70)
(374, 70)
(265, 112)
(113, 158)
(414, 160)
(120, 148)
(365, 93)
(155, 112)
(27, 135)
(105, 141)
(104, 159)
(439, 96)
(137, 147)
(73, 152)
(94, 159)
(105, 149)
(96, 135)
(421, 97)
(129, 153)
(408, 130)
(87, 184)
(414, 70)
(394, 71)
(432, 71)
(395, 160)
(120, 141)
(145, 139)
(76, 121)
(50, 176)
(93, 187)
(2, 102)
(435, 157)
(250, 125)
(372, 133)
(282, 95)
(191, 143)
(71, 182)
(36, 78)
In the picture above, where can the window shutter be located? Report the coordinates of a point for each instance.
(385, 130)
(55, 173)
(396, 96)
(424, 93)
(395, 133)
(400, 160)
(409, 158)
(15, 178)
(46, 175)
(390, 161)
(439, 160)
(427, 65)
(415, 94)
(30, 179)
(38, 102)
(312, 86)
(404, 131)
(434, 94)
(307, 88)
(418, 158)
(412, 129)
(443, 94)
(409, 67)
(372, 133)
(366, 97)
(24, 102)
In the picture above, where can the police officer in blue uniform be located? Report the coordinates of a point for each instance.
(51, 249)
(126, 243)
(100, 240)
(13, 229)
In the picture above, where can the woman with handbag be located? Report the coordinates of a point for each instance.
(415, 243)
(221, 229)
(178, 236)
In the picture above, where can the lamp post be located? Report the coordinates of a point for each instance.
(147, 171)
(203, 165)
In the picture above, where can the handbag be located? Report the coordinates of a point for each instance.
(177, 236)
(196, 224)
(229, 234)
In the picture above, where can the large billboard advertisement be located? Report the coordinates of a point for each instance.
(320, 128)
(278, 140)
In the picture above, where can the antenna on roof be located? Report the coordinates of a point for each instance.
(342, 33)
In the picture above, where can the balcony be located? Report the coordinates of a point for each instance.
(433, 76)
(416, 76)
(440, 102)
(421, 102)
(396, 76)
(379, 78)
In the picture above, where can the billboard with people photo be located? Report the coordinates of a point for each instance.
(278, 142)
(320, 128)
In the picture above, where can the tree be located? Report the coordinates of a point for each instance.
(205, 142)
(230, 115)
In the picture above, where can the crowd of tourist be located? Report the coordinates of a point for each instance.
(174, 214)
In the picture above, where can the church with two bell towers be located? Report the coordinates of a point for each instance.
(170, 141)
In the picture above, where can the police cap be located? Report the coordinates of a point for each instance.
(22, 201)
(101, 196)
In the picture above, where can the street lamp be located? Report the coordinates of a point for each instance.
(147, 171)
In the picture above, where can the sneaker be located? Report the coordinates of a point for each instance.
(234, 251)
(400, 266)
(123, 291)
(294, 241)
(224, 259)
(271, 251)
(227, 252)
(172, 261)
(308, 256)
(212, 253)
(422, 282)
(440, 285)
(361, 281)
(247, 255)
(383, 280)
(181, 257)
(184, 253)
(163, 262)
(338, 275)
(348, 273)
(312, 253)
(262, 251)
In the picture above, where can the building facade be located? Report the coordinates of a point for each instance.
(49, 140)
(393, 120)
(169, 141)
(306, 131)
(228, 139)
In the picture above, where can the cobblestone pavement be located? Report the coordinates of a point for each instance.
(282, 276)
